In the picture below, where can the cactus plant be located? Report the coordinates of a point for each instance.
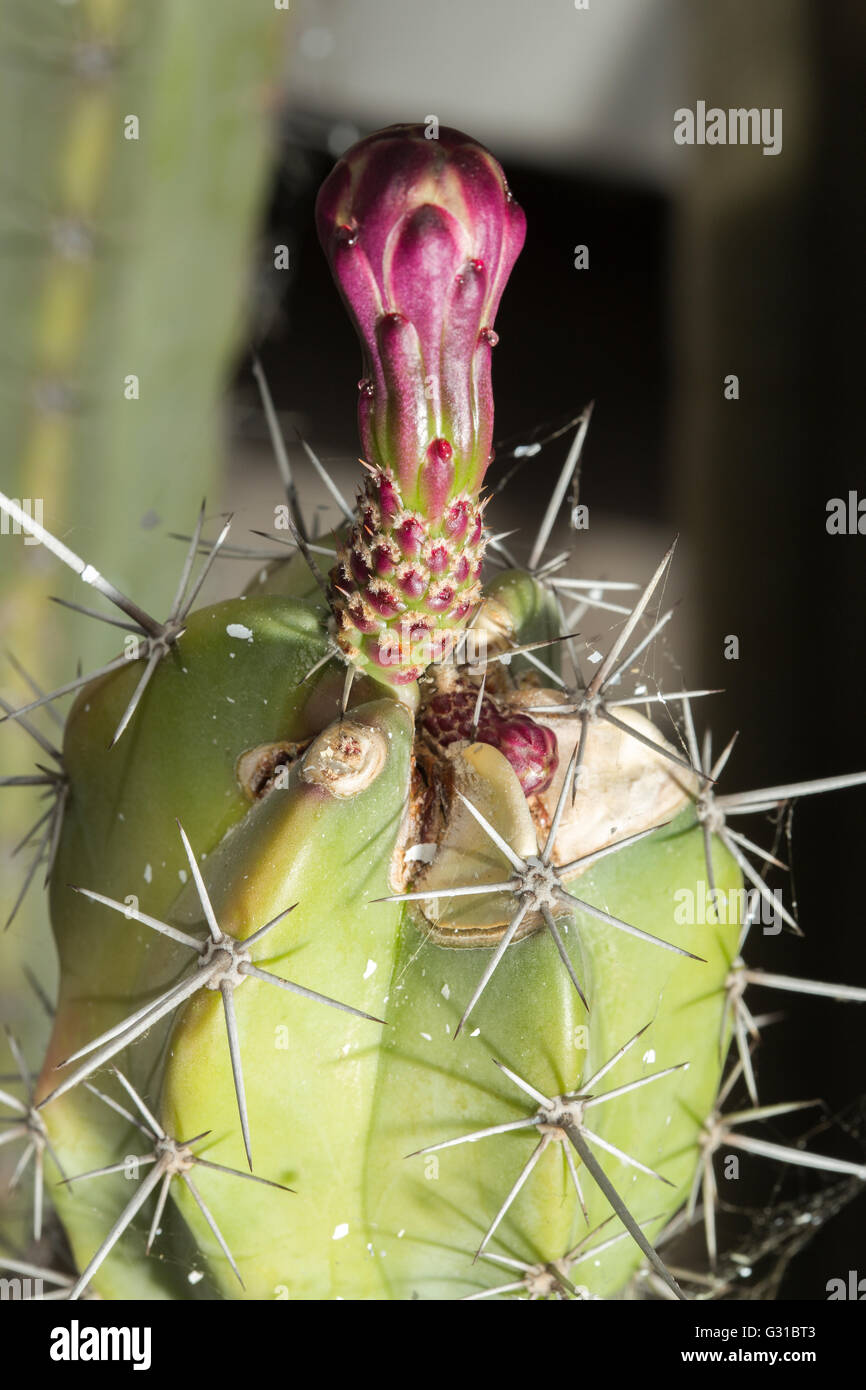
(379, 977)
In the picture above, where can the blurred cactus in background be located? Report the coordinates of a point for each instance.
(136, 144)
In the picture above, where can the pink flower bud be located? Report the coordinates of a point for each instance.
(421, 236)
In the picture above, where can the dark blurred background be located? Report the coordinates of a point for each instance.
(702, 262)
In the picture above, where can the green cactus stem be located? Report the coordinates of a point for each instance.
(382, 982)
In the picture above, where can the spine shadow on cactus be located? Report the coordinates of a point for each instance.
(415, 953)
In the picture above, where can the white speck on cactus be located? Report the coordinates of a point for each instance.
(238, 630)
(594, 657)
(341, 1231)
(181, 873)
(649, 1056)
(148, 873)
(369, 969)
(445, 992)
(195, 1276)
(421, 854)
(475, 1032)
(427, 1037)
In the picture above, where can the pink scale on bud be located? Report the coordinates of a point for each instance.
(360, 619)
(384, 560)
(385, 652)
(441, 599)
(389, 499)
(439, 558)
(360, 568)
(341, 578)
(384, 600)
(412, 581)
(407, 676)
(437, 478)
(461, 570)
(410, 536)
(457, 520)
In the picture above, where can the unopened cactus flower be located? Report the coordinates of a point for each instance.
(421, 236)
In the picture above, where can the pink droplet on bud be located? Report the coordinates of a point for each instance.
(346, 234)
(442, 449)
(366, 387)
(489, 336)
